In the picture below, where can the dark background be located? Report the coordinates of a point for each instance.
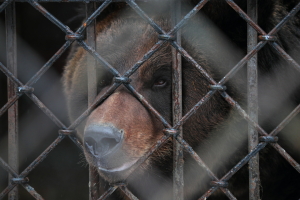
(63, 174)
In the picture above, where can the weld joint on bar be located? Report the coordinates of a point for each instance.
(171, 131)
(118, 184)
(166, 37)
(123, 79)
(74, 36)
(67, 132)
(221, 184)
(25, 89)
(267, 38)
(268, 139)
(20, 180)
(218, 87)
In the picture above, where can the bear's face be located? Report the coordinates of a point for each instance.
(121, 130)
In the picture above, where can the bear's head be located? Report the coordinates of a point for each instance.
(122, 128)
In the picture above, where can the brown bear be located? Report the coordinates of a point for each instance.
(122, 129)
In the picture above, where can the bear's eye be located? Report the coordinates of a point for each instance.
(160, 83)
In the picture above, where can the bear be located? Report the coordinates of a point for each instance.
(123, 127)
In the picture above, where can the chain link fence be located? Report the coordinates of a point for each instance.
(18, 88)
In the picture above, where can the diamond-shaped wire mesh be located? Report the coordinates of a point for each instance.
(170, 130)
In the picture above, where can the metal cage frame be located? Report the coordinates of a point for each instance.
(259, 137)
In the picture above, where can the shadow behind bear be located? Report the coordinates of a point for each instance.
(121, 130)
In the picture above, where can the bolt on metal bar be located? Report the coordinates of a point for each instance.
(21, 181)
(178, 180)
(13, 133)
(237, 167)
(200, 162)
(92, 89)
(252, 93)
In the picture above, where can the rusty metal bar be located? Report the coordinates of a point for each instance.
(285, 121)
(292, 13)
(108, 193)
(48, 64)
(200, 162)
(4, 4)
(237, 167)
(97, 101)
(128, 193)
(195, 108)
(40, 8)
(46, 111)
(178, 180)
(260, 130)
(92, 90)
(92, 16)
(242, 62)
(252, 93)
(286, 56)
(136, 66)
(286, 156)
(143, 15)
(13, 183)
(188, 16)
(32, 191)
(243, 15)
(13, 132)
(42, 156)
(156, 146)
(148, 105)
(94, 53)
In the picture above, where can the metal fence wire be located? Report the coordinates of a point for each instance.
(258, 137)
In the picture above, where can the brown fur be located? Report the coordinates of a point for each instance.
(123, 38)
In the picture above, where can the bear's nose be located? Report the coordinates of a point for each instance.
(102, 140)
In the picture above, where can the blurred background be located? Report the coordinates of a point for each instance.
(62, 175)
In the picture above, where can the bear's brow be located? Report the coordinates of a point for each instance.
(162, 59)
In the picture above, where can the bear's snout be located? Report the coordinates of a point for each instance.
(102, 140)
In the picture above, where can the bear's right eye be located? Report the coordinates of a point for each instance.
(160, 83)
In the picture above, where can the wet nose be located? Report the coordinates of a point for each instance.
(102, 140)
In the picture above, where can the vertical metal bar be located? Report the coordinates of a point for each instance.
(11, 46)
(254, 180)
(92, 89)
(178, 182)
